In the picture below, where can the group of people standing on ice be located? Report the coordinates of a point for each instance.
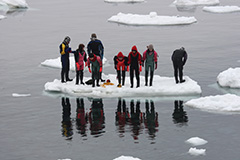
(133, 63)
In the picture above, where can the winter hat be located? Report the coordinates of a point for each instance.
(94, 35)
(67, 39)
(150, 46)
(134, 48)
(120, 54)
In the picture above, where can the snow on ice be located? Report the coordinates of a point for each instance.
(195, 2)
(15, 3)
(56, 63)
(20, 95)
(229, 78)
(124, 1)
(151, 19)
(162, 86)
(218, 103)
(221, 9)
(196, 141)
(126, 158)
(197, 152)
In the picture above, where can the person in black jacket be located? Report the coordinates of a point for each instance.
(179, 58)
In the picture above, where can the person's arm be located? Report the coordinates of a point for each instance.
(89, 47)
(101, 49)
(185, 58)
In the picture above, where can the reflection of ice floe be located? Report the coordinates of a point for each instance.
(221, 9)
(197, 152)
(126, 158)
(229, 78)
(186, 8)
(150, 20)
(124, 1)
(196, 141)
(15, 3)
(56, 63)
(218, 103)
(195, 2)
(162, 86)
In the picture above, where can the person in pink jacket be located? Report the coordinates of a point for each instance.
(150, 60)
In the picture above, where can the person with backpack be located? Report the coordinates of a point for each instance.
(64, 51)
(120, 64)
(150, 59)
(80, 57)
(95, 63)
(135, 63)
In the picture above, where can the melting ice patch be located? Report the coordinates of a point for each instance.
(196, 141)
(162, 86)
(124, 1)
(152, 19)
(126, 158)
(221, 9)
(195, 2)
(229, 78)
(218, 103)
(197, 152)
(56, 63)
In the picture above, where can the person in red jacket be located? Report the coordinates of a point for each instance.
(96, 67)
(134, 60)
(120, 64)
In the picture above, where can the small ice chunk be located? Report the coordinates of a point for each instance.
(20, 95)
(221, 9)
(126, 158)
(196, 141)
(229, 78)
(197, 152)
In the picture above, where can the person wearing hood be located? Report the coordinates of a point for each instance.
(96, 68)
(80, 57)
(120, 64)
(179, 58)
(150, 59)
(134, 61)
(95, 46)
(64, 51)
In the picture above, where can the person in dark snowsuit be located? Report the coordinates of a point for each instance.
(134, 60)
(80, 57)
(95, 46)
(96, 68)
(150, 59)
(64, 51)
(120, 64)
(179, 58)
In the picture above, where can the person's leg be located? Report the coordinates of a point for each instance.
(137, 77)
(181, 74)
(81, 76)
(175, 66)
(151, 77)
(119, 76)
(67, 71)
(131, 76)
(77, 77)
(146, 77)
(123, 77)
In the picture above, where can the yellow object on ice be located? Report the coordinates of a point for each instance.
(106, 84)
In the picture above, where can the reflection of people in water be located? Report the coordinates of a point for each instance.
(179, 115)
(81, 117)
(96, 117)
(66, 118)
(135, 119)
(151, 119)
(122, 116)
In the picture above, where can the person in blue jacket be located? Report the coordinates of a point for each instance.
(95, 46)
(64, 51)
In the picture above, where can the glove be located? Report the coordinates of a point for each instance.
(156, 65)
(85, 64)
(89, 69)
(140, 69)
(100, 70)
(128, 68)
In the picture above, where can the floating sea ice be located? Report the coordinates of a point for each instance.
(229, 78)
(151, 19)
(2, 17)
(20, 95)
(124, 1)
(64, 159)
(16, 3)
(222, 9)
(126, 158)
(195, 2)
(218, 103)
(196, 141)
(197, 152)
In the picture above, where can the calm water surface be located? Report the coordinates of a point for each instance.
(51, 126)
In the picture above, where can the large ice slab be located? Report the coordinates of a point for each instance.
(126, 158)
(195, 2)
(218, 103)
(56, 63)
(162, 86)
(15, 3)
(229, 78)
(221, 9)
(124, 1)
(152, 19)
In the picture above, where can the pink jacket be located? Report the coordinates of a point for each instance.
(80, 62)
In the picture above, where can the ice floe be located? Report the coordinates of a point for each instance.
(124, 1)
(196, 141)
(2, 17)
(229, 78)
(197, 152)
(221, 9)
(195, 2)
(56, 63)
(126, 158)
(218, 103)
(151, 19)
(162, 86)
(20, 95)
(15, 3)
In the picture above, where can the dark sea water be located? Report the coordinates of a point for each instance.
(45, 127)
